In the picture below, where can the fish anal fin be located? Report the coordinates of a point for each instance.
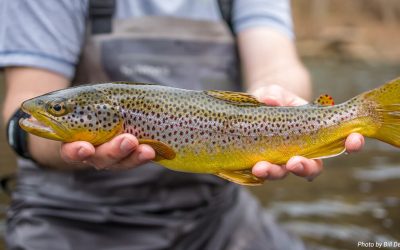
(237, 98)
(324, 100)
(326, 151)
(242, 177)
(163, 151)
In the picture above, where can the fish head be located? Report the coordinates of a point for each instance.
(76, 114)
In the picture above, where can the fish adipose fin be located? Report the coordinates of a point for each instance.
(324, 100)
(237, 98)
(385, 102)
(242, 177)
(163, 150)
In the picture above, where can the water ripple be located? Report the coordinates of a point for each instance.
(325, 208)
(348, 233)
(378, 174)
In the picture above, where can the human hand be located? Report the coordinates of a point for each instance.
(308, 168)
(122, 152)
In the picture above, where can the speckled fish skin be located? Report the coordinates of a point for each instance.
(214, 132)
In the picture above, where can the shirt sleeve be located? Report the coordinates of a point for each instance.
(272, 13)
(43, 34)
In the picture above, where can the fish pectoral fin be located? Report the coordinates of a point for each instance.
(163, 150)
(324, 100)
(326, 151)
(237, 98)
(242, 177)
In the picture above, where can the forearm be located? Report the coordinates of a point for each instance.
(25, 83)
(270, 58)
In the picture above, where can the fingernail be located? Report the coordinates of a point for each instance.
(142, 157)
(272, 100)
(264, 174)
(298, 168)
(126, 146)
(269, 98)
(82, 153)
(261, 173)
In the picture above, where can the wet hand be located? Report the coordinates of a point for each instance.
(275, 95)
(122, 152)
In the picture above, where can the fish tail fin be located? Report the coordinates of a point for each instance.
(385, 102)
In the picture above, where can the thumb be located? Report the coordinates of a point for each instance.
(272, 98)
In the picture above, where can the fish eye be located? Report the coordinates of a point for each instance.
(57, 108)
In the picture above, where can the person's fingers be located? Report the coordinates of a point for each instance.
(122, 152)
(268, 95)
(266, 170)
(78, 151)
(354, 142)
(112, 152)
(275, 95)
(271, 100)
(304, 167)
(142, 154)
(296, 101)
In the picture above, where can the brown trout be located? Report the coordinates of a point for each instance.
(214, 132)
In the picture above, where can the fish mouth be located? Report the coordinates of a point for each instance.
(42, 125)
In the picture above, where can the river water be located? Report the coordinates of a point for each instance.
(356, 200)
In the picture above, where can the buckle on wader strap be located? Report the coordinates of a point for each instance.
(100, 14)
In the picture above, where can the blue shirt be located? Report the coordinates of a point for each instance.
(50, 34)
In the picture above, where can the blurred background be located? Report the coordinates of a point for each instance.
(349, 47)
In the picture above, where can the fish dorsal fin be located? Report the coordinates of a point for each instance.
(242, 177)
(134, 83)
(324, 100)
(237, 98)
(163, 150)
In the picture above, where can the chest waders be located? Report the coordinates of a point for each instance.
(149, 207)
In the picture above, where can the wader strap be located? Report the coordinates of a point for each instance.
(225, 7)
(100, 14)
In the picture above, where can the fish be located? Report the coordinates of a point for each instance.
(213, 132)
